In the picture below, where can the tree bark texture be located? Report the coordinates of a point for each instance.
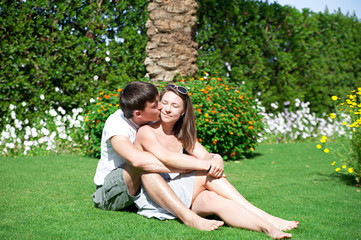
(171, 46)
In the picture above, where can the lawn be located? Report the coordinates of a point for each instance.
(50, 198)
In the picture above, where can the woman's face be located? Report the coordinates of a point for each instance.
(172, 107)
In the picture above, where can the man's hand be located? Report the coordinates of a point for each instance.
(217, 167)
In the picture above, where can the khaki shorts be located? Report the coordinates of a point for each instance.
(113, 194)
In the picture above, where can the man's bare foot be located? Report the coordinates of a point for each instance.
(204, 224)
(284, 225)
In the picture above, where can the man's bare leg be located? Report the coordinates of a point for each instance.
(222, 187)
(208, 202)
(162, 194)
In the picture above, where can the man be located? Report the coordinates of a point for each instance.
(119, 173)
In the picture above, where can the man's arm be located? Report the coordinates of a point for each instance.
(138, 158)
(149, 142)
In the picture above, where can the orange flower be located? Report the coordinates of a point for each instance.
(200, 140)
(215, 141)
(106, 96)
(208, 99)
(119, 90)
(250, 127)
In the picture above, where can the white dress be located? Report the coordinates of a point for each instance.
(181, 183)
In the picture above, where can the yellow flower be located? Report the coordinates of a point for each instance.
(350, 170)
(323, 140)
(206, 115)
(319, 146)
(326, 150)
(334, 98)
(86, 119)
(333, 163)
(344, 123)
(252, 149)
(231, 133)
(332, 115)
(337, 169)
(343, 166)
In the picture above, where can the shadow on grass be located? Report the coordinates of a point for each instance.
(342, 177)
(253, 155)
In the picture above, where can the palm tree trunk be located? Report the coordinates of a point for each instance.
(171, 46)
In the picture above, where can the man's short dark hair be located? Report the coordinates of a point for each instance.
(135, 96)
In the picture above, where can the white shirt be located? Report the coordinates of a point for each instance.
(116, 124)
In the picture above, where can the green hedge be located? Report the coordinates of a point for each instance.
(54, 53)
(280, 52)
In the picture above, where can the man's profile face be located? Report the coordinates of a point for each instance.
(151, 111)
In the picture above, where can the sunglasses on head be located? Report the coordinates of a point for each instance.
(179, 89)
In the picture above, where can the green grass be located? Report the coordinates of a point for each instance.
(50, 198)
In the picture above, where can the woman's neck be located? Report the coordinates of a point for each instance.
(167, 128)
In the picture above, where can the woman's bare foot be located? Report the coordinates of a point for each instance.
(204, 224)
(284, 225)
(280, 235)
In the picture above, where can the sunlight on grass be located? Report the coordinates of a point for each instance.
(50, 198)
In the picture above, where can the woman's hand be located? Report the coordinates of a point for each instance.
(217, 168)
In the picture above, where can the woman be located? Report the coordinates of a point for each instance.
(205, 195)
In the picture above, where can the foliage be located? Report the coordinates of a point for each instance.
(227, 119)
(57, 131)
(280, 52)
(73, 48)
(348, 149)
(298, 125)
(98, 112)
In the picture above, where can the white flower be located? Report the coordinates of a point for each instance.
(23, 104)
(60, 109)
(6, 135)
(45, 131)
(12, 107)
(91, 100)
(13, 115)
(107, 59)
(10, 145)
(42, 97)
(57, 89)
(107, 52)
(274, 105)
(52, 112)
(95, 77)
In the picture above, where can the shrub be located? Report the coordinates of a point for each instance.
(56, 131)
(299, 124)
(347, 149)
(98, 112)
(227, 117)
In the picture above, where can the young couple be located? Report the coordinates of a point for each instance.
(143, 162)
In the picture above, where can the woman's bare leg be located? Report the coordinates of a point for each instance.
(235, 215)
(222, 187)
(162, 194)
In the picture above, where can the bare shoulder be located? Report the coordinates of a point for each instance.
(148, 128)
